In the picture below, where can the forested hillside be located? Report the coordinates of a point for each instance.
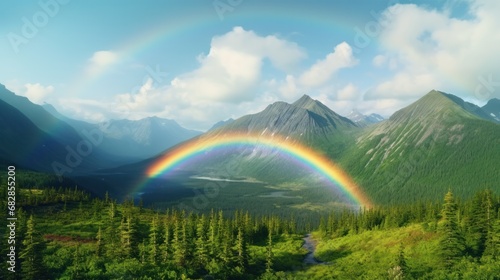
(424, 149)
(66, 233)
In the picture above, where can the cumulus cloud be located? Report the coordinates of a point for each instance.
(404, 86)
(36, 93)
(84, 109)
(227, 83)
(379, 60)
(384, 61)
(349, 92)
(99, 60)
(147, 99)
(289, 88)
(231, 70)
(322, 71)
(438, 50)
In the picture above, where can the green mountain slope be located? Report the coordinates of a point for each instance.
(493, 108)
(307, 121)
(23, 144)
(61, 131)
(430, 146)
(58, 129)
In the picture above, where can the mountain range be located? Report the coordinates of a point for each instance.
(123, 141)
(436, 143)
(139, 139)
(364, 120)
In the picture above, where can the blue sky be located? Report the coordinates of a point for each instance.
(199, 62)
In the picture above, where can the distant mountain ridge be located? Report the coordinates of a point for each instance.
(25, 145)
(139, 139)
(470, 107)
(59, 131)
(39, 116)
(221, 123)
(146, 137)
(120, 141)
(493, 108)
(364, 120)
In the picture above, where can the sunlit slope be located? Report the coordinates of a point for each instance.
(423, 149)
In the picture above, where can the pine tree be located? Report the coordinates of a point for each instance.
(179, 248)
(201, 242)
(452, 243)
(124, 239)
(21, 228)
(212, 238)
(226, 253)
(141, 205)
(248, 227)
(165, 247)
(242, 248)
(479, 222)
(492, 250)
(132, 224)
(77, 269)
(220, 229)
(269, 257)
(322, 227)
(142, 252)
(112, 237)
(128, 239)
(32, 255)
(153, 241)
(190, 235)
(100, 244)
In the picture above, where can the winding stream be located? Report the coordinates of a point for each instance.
(310, 246)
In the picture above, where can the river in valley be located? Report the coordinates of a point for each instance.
(310, 246)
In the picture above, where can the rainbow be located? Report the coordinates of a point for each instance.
(303, 154)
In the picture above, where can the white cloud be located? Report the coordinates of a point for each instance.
(84, 109)
(232, 69)
(437, 50)
(323, 70)
(283, 54)
(349, 92)
(289, 88)
(227, 82)
(379, 60)
(100, 60)
(382, 106)
(126, 103)
(404, 85)
(36, 93)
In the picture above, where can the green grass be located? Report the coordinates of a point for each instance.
(370, 254)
